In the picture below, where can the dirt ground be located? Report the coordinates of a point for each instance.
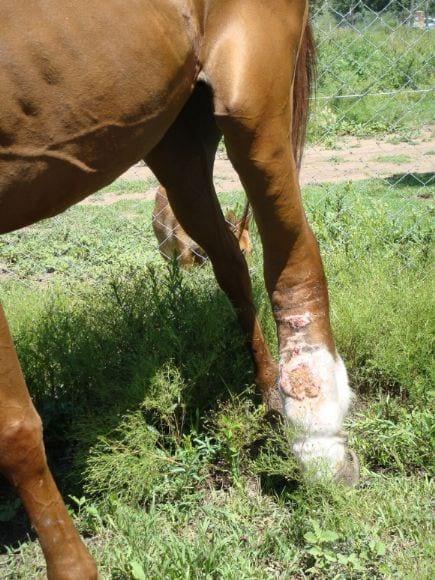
(351, 159)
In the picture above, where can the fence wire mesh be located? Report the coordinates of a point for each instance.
(373, 112)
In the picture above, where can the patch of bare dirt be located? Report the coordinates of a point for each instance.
(352, 159)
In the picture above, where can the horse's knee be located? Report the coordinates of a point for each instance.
(21, 445)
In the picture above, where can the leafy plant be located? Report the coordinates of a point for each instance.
(326, 548)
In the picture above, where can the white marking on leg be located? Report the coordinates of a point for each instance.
(316, 396)
(297, 321)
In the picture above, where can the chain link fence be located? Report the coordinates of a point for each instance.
(376, 71)
(373, 111)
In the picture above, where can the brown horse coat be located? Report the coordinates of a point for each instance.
(85, 92)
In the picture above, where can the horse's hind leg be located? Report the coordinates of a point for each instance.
(250, 66)
(23, 462)
(183, 163)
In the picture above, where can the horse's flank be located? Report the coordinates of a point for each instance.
(83, 97)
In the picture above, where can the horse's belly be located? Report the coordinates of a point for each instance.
(84, 94)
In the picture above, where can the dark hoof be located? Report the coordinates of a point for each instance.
(349, 472)
(273, 402)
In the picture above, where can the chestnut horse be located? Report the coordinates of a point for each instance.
(174, 242)
(89, 88)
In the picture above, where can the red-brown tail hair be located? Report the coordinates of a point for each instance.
(305, 75)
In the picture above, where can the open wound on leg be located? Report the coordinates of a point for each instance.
(300, 383)
(314, 388)
(297, 321)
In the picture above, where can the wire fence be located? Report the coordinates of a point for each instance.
(374, 109)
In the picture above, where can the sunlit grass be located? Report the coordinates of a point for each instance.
(151, 418)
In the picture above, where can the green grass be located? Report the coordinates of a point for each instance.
(337, 159)
(396, 159)
(151, 419)
(126, 186)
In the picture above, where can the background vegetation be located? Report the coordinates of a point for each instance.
(400, 8)
(375, 73)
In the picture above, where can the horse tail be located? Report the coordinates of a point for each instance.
(305, 74)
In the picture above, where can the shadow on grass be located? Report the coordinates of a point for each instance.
(16, 528)
(411, 179)
(277, 484)
(92, 354)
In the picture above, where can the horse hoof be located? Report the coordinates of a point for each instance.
(273, 402)
(349, 471)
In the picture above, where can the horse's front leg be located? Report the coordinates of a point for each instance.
(23, 462)
(258, 54)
